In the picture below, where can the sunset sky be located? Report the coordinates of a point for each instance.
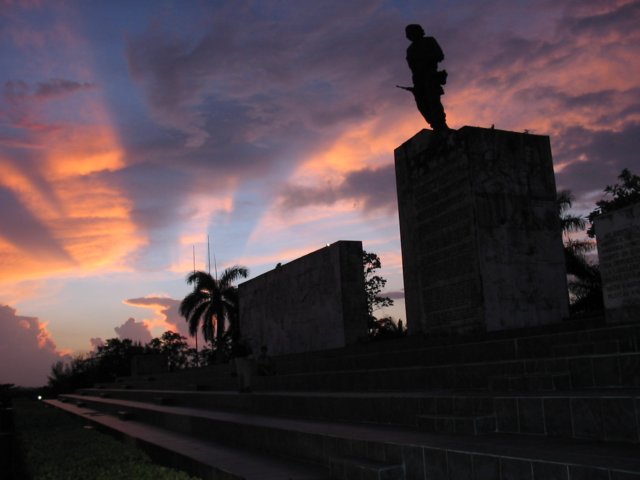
(129, 131)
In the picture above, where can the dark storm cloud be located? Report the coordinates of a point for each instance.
(622, 20)
(55, 87)
(160, 199)
(303, 73)
(606, 107)
(25, 232)
(252, 103)
(374, 189)
(15, 90)
(500, 57)
(604, 153)
(593, 124)
(59, 86)
(159, 193)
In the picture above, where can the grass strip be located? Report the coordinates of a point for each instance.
(56, 446)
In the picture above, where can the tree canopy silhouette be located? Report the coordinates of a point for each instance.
(373, 284)
(622, 194)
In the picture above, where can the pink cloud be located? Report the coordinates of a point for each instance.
(95, 343)
(28, 351)
(136, 331)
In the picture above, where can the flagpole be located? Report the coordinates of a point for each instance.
(194, 271)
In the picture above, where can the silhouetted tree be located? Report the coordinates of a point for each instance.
(213, 303)
(78, 372)
(373, 284)
(113, 359)
(584, 282)
(622, 195)
(386, 327)
(175, 347)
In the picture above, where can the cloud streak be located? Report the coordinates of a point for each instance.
(372, 188)
(23, 230)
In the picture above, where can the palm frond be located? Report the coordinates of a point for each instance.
(212, 306)
(233, 274)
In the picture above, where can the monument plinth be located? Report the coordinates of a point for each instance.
(480, 232)
(618, 235)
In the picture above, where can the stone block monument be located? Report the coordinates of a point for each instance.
(618, 235)
(480, 232)
(315, 302)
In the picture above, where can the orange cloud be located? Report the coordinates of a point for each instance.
(363, 144)
(165, 314)
(88, 217)
(74, 218)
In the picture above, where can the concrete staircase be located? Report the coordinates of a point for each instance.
(534, 405)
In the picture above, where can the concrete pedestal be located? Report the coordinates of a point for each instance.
(618, 235)
(480, 233)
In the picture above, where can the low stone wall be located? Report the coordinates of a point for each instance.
(315, 302)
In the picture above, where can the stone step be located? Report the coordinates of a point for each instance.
(395, 409)
(464, 425)
(392, 408)
(607, 417)
(423, 454)
(587, 348)
(614, 370)
(590, 371)
(603, 415)
(345, 468)
(536, 382)
(204, 459)
(463, 350)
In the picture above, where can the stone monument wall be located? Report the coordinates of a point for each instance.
(618, 235)
(480, 233)
(315, 302)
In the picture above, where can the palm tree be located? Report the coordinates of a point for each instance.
(585, 284)
(213, 302)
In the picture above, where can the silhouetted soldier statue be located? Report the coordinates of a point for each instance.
(423, 56)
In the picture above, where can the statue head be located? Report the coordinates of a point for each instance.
(414, 32)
